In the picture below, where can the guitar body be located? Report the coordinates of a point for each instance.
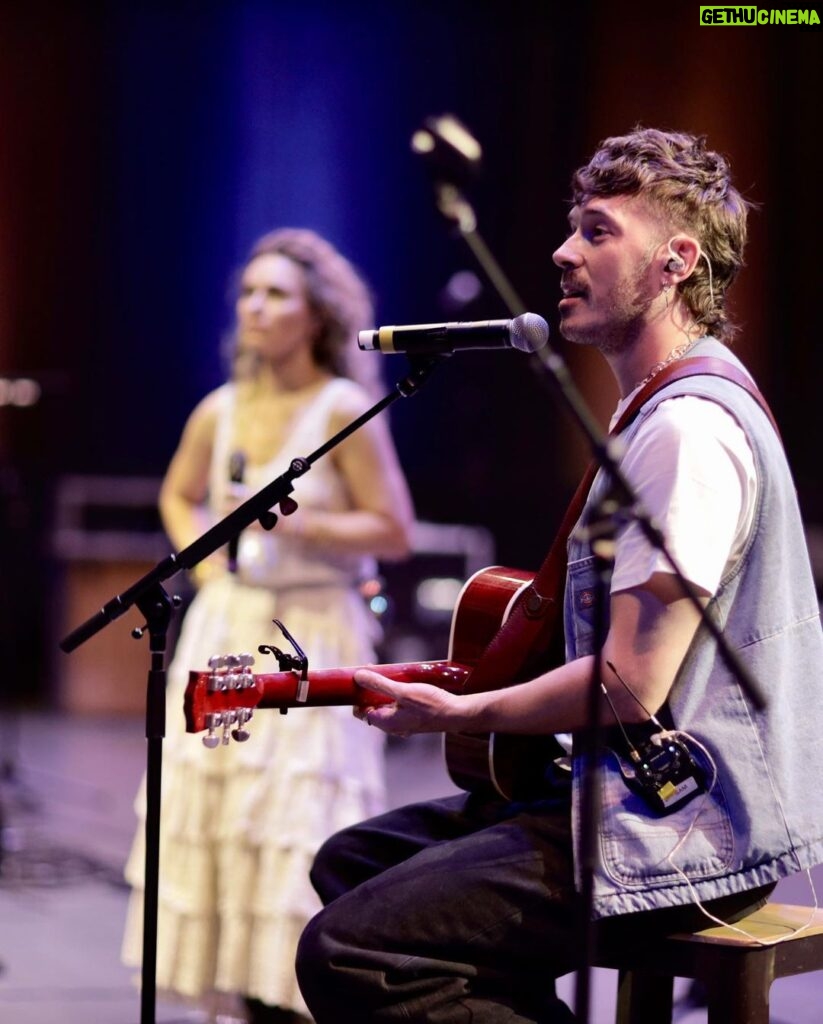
(483, 605)
(223, 699)
(507, 765)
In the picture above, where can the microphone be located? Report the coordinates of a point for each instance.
(527, 332)
(237, 469)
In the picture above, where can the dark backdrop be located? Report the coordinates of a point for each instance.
(144, 146)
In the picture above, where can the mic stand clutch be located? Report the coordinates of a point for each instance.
(150, 597)
(443, 143)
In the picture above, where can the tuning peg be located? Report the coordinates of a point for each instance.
(211, 739)
(224, 721)
(230, 672)
(241, 734)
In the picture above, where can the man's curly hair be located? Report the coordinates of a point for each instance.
(690, 187)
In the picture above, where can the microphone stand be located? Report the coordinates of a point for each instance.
(620, 506)
(149, 596)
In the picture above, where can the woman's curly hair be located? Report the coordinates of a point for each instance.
(690, 186)
(338, 296)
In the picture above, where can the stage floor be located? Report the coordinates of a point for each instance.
(67, 806)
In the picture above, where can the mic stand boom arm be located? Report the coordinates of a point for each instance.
(149, 596)
(258, 507)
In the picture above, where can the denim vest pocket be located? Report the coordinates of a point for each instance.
(639, 849)
(582, 596)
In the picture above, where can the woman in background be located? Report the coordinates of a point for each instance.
(241, 823)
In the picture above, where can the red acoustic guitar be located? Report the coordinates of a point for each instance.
(222, 700)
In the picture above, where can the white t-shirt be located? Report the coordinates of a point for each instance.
(693, 470)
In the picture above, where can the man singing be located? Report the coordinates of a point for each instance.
(466, 908)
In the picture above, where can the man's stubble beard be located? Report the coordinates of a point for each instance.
(627, 308)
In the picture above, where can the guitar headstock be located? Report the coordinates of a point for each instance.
(222, 699)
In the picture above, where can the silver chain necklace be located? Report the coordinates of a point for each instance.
(676, 353)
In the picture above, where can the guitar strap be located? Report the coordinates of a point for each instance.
(524, 638)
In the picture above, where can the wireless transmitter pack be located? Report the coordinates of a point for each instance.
(666, 775)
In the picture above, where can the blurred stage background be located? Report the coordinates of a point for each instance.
(145, 145)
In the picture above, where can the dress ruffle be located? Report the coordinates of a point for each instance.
(240, 824)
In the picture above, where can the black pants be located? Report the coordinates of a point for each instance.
(458, 911)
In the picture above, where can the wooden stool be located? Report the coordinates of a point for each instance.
(736, 973)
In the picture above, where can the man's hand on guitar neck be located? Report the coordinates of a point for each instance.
(415, 707)
(651, 629)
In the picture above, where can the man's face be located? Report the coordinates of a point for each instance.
(609, 282)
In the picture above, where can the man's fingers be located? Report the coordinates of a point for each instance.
(370, 680)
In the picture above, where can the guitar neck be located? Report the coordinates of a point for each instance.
(211, 694)
(336, 686)
(222, 700)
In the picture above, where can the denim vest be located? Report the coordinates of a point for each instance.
(763, 818)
